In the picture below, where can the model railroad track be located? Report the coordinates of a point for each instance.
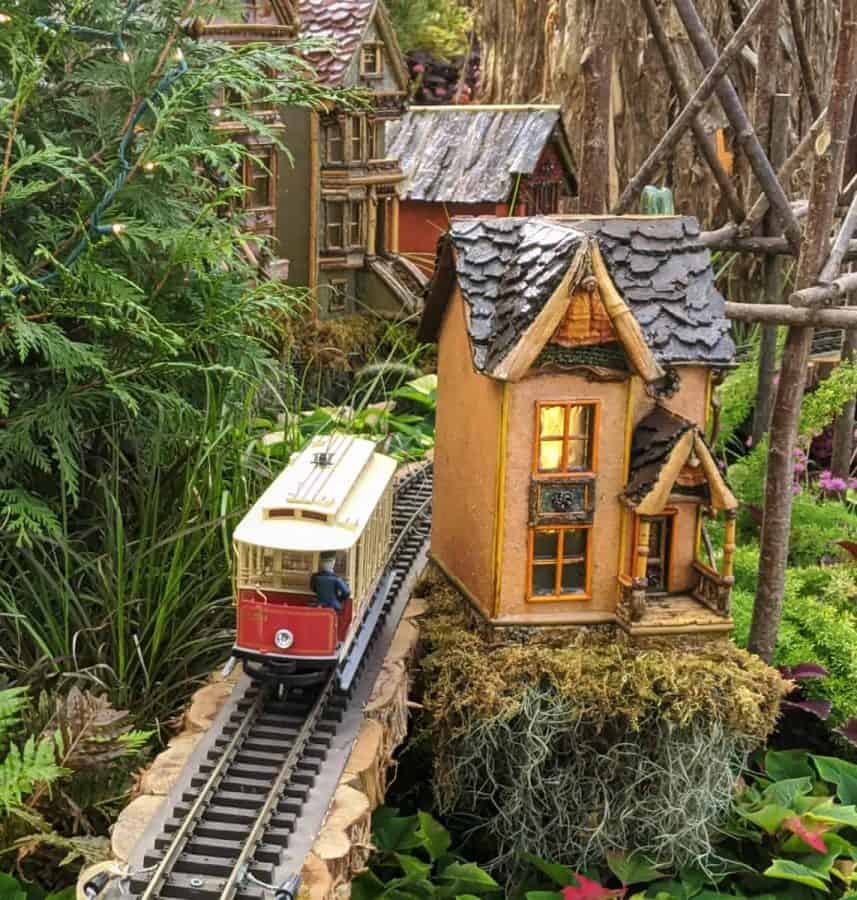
(233, 831)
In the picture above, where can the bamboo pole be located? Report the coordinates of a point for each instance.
(841, 245)
(843, 427)
(803, 58)
(706, 145)
(826, 181)
(782, 314)
(778, 136)
(716, 71)
(817, 294)
(734, 110)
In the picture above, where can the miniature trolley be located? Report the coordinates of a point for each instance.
(334, 501)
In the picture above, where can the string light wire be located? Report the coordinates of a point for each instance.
(163, 87)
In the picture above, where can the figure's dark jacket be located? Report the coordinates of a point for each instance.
(330, 590)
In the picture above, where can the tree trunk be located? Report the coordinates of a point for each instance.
(826, 180)
(593, 178)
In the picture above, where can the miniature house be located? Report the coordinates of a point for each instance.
(332, 205)
(472, 160)
(572, 478)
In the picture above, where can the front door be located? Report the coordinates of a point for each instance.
(381, 228)
(660, 546)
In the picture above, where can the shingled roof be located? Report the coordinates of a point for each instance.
(472, 153)
(342, 21)
(653, 442)
(508, 268)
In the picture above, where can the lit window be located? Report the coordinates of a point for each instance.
(357, 138)
(335, 218)
(355, 224)
(372, 60)
(566, 437)
(559, 562)
(334, 143)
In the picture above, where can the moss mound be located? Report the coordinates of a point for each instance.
(576, 744)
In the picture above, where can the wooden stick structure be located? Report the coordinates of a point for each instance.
(803, 59)
(717, 68)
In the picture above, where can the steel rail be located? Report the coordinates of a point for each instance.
(185, 832)
(241, 868)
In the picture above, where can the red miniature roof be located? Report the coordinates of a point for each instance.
(344, 22)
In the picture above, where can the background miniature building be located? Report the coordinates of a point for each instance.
(332, 206)
(472, 160)
(575, 363)
(339, 202)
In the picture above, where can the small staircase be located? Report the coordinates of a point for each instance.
(402, 278)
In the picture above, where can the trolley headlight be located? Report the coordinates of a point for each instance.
(284, 639)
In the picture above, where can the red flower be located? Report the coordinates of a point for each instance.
(590, 890)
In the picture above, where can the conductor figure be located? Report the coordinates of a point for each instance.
(330, 589)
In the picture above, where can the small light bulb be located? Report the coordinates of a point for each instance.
(178, 56)
(149, 166)
(126, 56)
(217, 112)
(5, 19)
(117, 228)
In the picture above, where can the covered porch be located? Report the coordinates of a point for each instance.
(672, 468)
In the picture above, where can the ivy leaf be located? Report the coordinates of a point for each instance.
(434, 837)
(543, 895)
(632, 868)
(783, 764)
(413, 866)
(559, 875)
(590, 890)
(784, 793)
(835, 813)
(10, 888)
(789, 870)
(841, 773)
(821, 709)
(468, 877)
(769, 818)
(367, 886)
(393, 833)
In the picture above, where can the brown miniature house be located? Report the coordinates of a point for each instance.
(332, 205)
(473, 160)
(572, 479)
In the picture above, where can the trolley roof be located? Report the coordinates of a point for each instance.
(322, 500)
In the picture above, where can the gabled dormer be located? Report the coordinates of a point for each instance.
(365, 52)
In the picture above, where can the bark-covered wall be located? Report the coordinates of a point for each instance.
(532, 51)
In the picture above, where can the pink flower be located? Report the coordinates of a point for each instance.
(799, 468)
(440, 91)
(419, 67)
(749, 441)
(796, 488)
(827, 482)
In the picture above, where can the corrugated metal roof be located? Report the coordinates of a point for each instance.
(469, 153)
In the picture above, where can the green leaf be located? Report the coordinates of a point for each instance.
(543, 895)
(632, 868)
(834, 813)
(841, 773)
(10, 888)
(785, 792)
(367, 886)
(559, 875)
(768, 818)
(784, 764)
(433, 836)
(393, 833)
(788, 870)
(413, 866)
(468, 877)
